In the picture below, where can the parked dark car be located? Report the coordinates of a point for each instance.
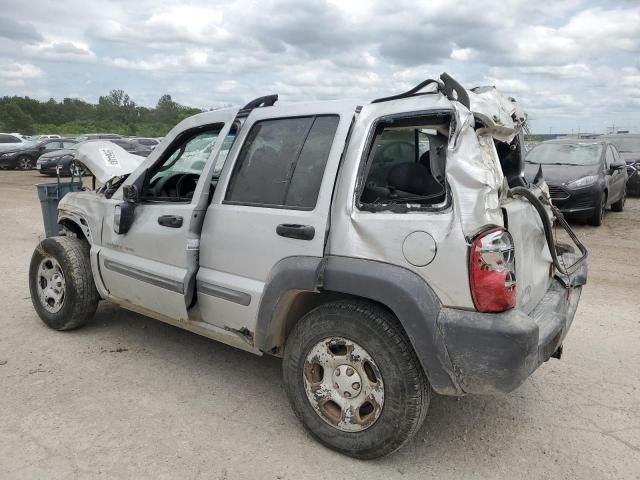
(48, 162)
(131, 145)
(147, 142)
(584, 176)
(26, 155)
(628, 145)
(97, 136)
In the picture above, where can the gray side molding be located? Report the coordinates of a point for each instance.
(405, 293)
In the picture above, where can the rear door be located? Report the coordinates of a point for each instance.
(272, 202)
(153, 265)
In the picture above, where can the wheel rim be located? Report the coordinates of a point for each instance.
(24, 163)
(343, 384)
(51, 284)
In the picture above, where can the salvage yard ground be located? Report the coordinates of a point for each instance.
(130, 397)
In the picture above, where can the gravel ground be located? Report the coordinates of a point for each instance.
(130, 397)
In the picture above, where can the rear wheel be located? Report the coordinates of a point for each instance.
(61, 284)
(619, 205)
(598, 213)
(25, 163)
(353, 379)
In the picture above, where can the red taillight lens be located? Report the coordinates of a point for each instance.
(492, 271)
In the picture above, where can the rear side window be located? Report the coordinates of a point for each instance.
(282, 162)
(4, 138)
(405, 166)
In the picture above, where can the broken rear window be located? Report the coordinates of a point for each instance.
(406, 165)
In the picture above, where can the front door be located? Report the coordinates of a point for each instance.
(153, 265)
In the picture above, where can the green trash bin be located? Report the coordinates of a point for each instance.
(50, 195)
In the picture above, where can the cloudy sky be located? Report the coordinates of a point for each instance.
(573, 64)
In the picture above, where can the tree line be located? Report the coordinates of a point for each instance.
(114, 113)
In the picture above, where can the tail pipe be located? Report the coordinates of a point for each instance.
(546, 222)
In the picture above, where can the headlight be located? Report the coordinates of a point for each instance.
(8, 154)
(583, 182)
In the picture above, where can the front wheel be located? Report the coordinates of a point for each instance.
(598, 213)
(353, 379)
(25, 163)
(61, 284)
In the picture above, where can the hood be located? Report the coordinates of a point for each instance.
(559, 174)
(106, 160)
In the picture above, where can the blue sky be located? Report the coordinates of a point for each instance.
(573, 64)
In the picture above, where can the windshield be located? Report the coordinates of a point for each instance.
(565, 154)
(626, 145)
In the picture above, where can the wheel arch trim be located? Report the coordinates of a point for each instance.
(402, 291)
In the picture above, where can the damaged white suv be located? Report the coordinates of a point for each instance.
(385, 250)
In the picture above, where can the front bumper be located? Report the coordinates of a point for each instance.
(576, 202)
(496, 352)
(8, 162)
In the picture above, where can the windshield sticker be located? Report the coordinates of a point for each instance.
(110, 157)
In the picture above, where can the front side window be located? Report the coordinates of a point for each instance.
(609, 160)
(52, 146)
(406, 165)
(176, 176)
(282, 162)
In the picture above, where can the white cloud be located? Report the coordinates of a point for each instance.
(60, 51)
(567, 60)
(14, 74)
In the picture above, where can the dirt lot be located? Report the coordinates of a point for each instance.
(129, 397)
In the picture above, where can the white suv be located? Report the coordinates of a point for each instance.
(384, 250)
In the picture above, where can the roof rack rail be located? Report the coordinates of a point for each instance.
(447, 85)
(265, 101)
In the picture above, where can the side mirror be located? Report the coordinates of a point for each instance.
(131, 193)
(123, 217)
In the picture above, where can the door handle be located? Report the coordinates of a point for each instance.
(299, 232)
(171, 221)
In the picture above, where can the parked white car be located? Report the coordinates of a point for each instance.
(10, 140)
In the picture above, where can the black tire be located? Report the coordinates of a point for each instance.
(619, 205)
(406, 390)
(24, 162)
(598, 214)
(80, 297)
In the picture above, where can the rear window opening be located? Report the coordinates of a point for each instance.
(405, 167)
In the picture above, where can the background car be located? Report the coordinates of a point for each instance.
(628, 145)
(134, 147)
(584, 176)
(25, 155)
(10, 140)
(97, 136)
(48, 162)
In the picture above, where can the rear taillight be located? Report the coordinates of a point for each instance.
(492, 271)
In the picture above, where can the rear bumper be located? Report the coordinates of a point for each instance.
(493, 353)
